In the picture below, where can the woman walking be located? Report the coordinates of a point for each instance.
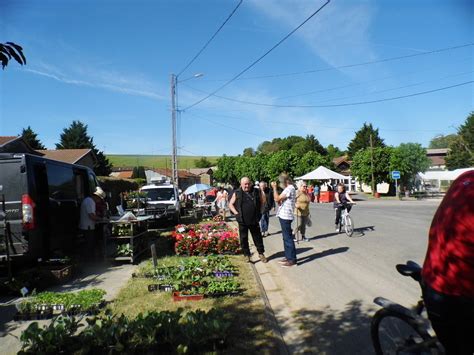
(301, 211)
(221, 202)
(285, 214)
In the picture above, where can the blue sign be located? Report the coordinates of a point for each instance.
(395, 175)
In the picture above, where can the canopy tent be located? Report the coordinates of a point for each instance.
(322, 173)
(196, 188)
(443, 175)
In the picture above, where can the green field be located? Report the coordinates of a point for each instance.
(154, 161)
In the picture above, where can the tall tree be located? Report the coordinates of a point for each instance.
(249, 152)
(310, 161)
(361, 165)
(76, 137)
(226, 170)
(409, 159)
(461, 150)
(333, 151)
(11, 50)
(362, 139)
(32, 138)
(442, 141)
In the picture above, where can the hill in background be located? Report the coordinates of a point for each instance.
(155, 161)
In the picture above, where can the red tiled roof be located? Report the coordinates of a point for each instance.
(340, 160)
(127, 174)
(70, 156)
(181, 173)
(7, 139)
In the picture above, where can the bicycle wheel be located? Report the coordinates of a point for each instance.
(396, 333)
(349, 226)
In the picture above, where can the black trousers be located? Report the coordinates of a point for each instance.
(452, 318)
(256, 236)
(339, 211)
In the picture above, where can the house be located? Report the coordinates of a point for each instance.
(84, 157)
(16, 144)
(205, 174)
(438, 158)
(343, 165)
(122, 174)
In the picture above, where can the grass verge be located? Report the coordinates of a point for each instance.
(250, 331)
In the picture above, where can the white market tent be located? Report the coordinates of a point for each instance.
(322, 173)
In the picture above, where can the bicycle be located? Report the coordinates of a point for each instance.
(398, 330)
(346, 222)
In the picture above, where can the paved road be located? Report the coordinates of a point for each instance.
(324, 305)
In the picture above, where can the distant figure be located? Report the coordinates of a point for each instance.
(448, 270)
(301, 211)
(285, 214)
(341, 202)
(246, 204)
(221, 202)
(316, 193)
(269, 204)
(88, 219)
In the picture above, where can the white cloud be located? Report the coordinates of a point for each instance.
(339, 34)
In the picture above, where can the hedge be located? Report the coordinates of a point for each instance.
(115, 187)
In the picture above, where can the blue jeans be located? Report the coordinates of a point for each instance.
(264, 221)
(288, 243)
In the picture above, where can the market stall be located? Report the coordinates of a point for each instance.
(324, 174)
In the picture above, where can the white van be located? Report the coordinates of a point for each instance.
(162, 200)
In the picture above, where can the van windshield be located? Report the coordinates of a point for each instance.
(160, 194)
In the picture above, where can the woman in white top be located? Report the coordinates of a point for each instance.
(221, 201)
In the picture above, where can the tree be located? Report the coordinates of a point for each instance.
(441, 141)
(135, 172)
(203, 162)
(409, 159)
(310, 161)
(361, 165)
(249, 152)
(11, 50)
(226, 170)
(461, 150)
(76, 137)
(32, 139)
(281, 162)
(333, 151)
(362, 139)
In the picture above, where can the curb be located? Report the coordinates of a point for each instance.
(270, 315)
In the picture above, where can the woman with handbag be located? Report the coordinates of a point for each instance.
(302, 211)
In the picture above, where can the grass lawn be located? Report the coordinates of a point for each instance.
(249, 332)
(155, 161)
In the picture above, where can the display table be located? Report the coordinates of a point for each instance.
(326, 196)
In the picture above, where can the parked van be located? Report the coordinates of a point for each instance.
(162, 200)
(42, 202)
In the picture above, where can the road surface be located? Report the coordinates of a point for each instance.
(324, 305)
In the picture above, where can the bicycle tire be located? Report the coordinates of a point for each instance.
(421, 334)
(349, 226)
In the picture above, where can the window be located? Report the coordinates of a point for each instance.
(160, 194)
(61, 182)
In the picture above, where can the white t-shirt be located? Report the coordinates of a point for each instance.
(87, 206)
(286, 209)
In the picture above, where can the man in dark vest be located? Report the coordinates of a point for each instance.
(247, 204)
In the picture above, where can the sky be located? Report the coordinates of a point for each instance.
(108, 64)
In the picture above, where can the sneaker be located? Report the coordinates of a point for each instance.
(305, 239)
(248, 259)
(337, 228)
(288, 264)
(263, 259)
(283, 261)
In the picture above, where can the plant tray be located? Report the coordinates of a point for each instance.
(33, 316)
(177, 297)
(59, 273)
(160, 287)
(223, 294)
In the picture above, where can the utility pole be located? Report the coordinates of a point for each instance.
(372, 164)
(174, 158)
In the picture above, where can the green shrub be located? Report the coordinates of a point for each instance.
(115, 187)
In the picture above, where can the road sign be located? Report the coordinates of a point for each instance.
(395, 175)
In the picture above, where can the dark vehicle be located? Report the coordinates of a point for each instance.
(42, 203)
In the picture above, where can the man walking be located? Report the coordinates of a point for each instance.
(285, 214)
(269, 204)
(246, 204)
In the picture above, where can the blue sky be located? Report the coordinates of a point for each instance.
(107, 63)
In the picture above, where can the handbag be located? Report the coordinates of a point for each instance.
(309, 223)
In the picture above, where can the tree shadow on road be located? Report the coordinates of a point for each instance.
(321, 254)
(330, 331)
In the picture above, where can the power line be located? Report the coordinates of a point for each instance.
(259, 59)
(440, 50)
(292, 123)
(343, 104)
(210, 39)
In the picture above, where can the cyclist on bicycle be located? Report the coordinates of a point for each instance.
(342, 200)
